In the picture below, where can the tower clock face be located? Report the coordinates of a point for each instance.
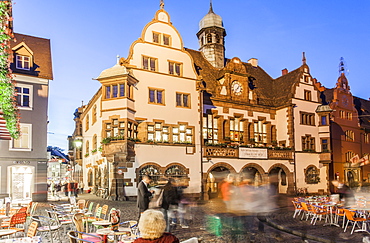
(236, 88)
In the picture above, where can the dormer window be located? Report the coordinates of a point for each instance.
(23, 62)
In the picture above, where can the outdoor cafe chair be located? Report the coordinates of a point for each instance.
(318, 212)
(350, 215)
(339, 212)
(61, 220)
(15, 221)
(81, 203)
(104, 212)
(307, 210)
(47, 225)
(74, 237)
(32, 229)
(297, 208)
(132, 224)
(78, 222)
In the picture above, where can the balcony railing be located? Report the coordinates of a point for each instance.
(225, 152)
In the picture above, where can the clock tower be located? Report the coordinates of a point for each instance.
(211, 38)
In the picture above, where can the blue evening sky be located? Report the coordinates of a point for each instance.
(87, 35)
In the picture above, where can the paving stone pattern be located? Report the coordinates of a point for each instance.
(278, 226)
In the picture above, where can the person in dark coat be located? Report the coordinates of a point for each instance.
(143, 194)
(170, 199)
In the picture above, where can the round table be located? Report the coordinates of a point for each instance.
(122, 231)
(5, 232)
(104, 223)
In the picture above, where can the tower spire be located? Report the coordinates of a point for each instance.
(303, 57)
(210, 7)
(161, 4)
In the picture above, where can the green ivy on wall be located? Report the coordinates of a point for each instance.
(8, 104)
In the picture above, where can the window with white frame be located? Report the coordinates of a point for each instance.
(24, 95)
(24, 142)
(210, 129)
(260, 132)
(23, 62)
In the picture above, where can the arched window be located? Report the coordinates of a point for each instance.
(151, 170)
(90, 178)
(87, 123)
(95, 144)
(94, 115)
(178, 173)
(217, 38)
(312, 175)
(87, 147)
(209, 38)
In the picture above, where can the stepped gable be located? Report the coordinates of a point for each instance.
(363, 110)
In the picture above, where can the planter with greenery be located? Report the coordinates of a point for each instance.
(8, 104)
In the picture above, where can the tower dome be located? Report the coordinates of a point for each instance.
(211, 19)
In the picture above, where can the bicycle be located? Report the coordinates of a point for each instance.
(302, 191)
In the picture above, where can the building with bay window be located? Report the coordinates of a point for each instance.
(196, 116)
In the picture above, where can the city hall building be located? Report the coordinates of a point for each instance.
(196, 116)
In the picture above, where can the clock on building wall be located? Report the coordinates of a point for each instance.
(236, 88)
(345, 101)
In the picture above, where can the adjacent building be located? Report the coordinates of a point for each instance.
(196, 116)
(23, 161)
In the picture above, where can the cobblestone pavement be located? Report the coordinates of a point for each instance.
(278, 226)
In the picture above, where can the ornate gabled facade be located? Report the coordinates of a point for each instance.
(195, 116)
(349, 132)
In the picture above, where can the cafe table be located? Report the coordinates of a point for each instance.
(331, 207)
(35, 239)
(6, 232)
(125, 234)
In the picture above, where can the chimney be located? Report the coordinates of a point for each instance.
(253, 62)
(284, 71)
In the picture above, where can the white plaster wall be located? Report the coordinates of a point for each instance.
(303, 160)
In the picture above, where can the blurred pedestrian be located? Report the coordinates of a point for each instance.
(226, 190)
(152, 229)
(170, 202)
(143, 194)
(345, 193)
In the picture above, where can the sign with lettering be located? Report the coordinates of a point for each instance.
(252, 153)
